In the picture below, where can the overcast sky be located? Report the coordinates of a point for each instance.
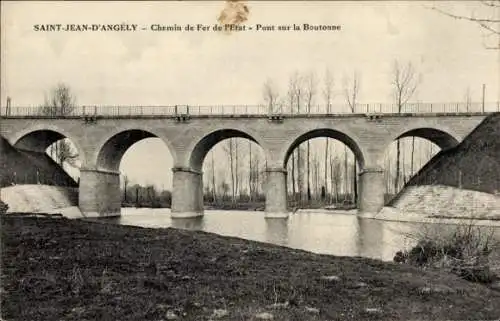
(155, 68)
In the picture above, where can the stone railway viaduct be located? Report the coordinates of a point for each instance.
(102, 141)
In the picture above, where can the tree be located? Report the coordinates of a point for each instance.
(351, 91)
(229, 148)
(468, 99)
(125, 185)
(271, 96)
(250, 171)
(310, 93)
(335, 176)
(214, 189)
(405, 81)
(327, 94)
(292, 84)
(488, 19)
(61, 102)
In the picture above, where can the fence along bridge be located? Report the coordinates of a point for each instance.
(102, 134)
(257, 110)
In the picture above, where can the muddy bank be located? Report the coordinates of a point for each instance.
(60, 269)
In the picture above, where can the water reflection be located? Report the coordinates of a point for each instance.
(338, 233)
(369, 238)
(277, 231)
(192, 224)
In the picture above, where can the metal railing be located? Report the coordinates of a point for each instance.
(248, 110)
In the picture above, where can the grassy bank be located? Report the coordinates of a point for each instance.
(58, 269)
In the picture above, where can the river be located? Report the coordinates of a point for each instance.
(325, 232)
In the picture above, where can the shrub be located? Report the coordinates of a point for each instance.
(465, 252)
(3, 207)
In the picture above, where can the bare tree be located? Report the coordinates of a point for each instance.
(125, 185)
(256, 175)
(296, 87)
(327, 94)
(271, 96)
(335, 175)
(236, 167)
(468, 98)
(292, 85)
(412, 154)
(351, 91)
(214, 188)
(310, 92)
(488, 19)
(61, 102)
(250, 171)
(405, 81)
(229, 149)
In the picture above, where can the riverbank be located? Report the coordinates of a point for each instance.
(395, 215)
(60, 269)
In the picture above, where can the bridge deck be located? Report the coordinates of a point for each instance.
(412, 109)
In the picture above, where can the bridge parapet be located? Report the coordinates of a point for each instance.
(174, 111)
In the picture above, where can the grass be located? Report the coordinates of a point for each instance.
(59, 269)
(465, 250)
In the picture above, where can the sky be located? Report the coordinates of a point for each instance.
(168, 68)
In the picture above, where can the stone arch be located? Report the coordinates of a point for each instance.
(441, 138)
(38, 138)
(203, 146)
(111, 151)
(330, 133)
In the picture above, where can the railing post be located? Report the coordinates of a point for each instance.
(176, 110)
(187, 110)
(95, 110)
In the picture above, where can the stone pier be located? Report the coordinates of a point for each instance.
(371, 190)
(276, 202)
(99, 193)
(187, 193)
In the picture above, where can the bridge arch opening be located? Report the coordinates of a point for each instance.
(144, 162)
(47, 156)
(322, 169)
(233, 166)
(438, 137)
(409, 152)
(209, 141)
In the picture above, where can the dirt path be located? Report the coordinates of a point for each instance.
(59, 269)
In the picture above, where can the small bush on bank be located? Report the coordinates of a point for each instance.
(3, 207)
(466, 252)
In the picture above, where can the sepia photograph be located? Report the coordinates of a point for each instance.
(250, 160)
